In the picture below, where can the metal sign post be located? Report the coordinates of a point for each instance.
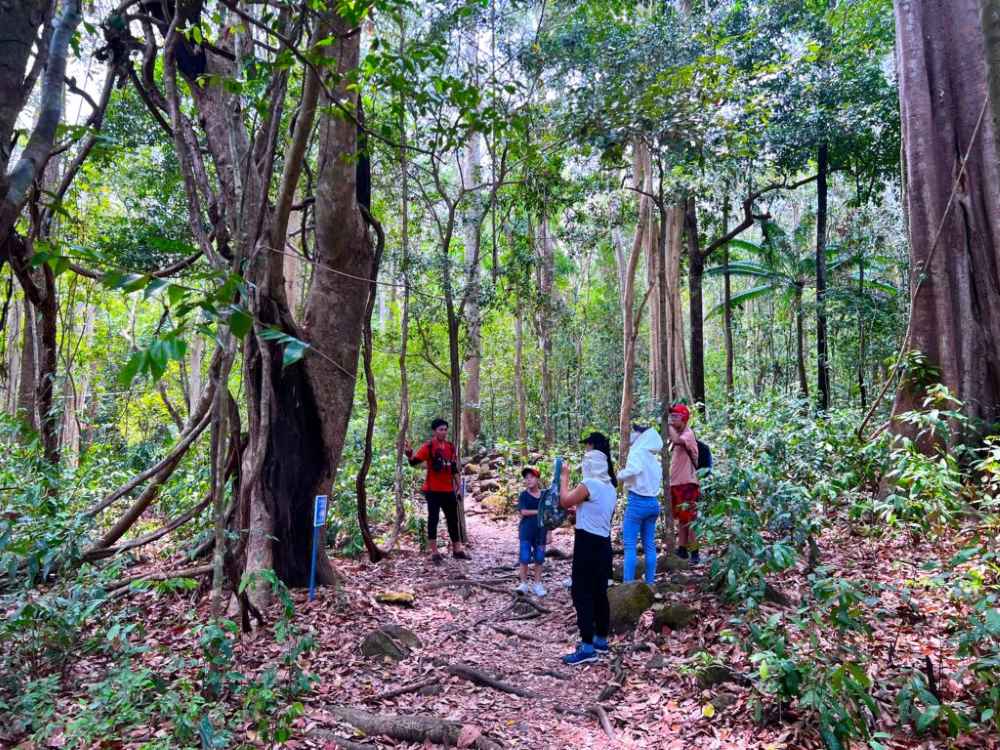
(319, 521)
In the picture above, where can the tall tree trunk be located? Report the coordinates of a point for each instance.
(863, 392)
(546, 277)
(822, 355)
(627, 265)
(654, 263)
(696, 272)
(471, 417)
(403, 423)
(990, 15)
(955, 310)
(670, 220)
(374, 553)
(522, 406)
(299, 412)
(727, 309)
(800, 345)
(679, 382)
(29, 364)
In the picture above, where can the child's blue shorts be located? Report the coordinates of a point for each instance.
(531, 552)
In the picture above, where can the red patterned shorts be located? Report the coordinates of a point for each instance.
(684, 502)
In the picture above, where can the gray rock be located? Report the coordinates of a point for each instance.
(673, 616)
(628, 601)
(723, 701)
(390, 642)
(718, 674)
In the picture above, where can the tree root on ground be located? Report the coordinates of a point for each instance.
(596, 711)
(516, 633)
(473, 675)
(554, 673)
(476, 677)
(617, 680)
(411, 728)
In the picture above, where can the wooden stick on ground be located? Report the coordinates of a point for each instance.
(411, 688)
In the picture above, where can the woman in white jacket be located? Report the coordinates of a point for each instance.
(643, 476)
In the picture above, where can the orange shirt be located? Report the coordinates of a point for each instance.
(683, 457)
(438, 480)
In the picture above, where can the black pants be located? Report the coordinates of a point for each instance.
(436, 502)
(591, 570)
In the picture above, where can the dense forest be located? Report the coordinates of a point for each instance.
(449, 256)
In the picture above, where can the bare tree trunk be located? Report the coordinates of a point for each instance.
(403, 425)
(522, 406)
(471, 416)
(627, 265)
(727, 309)
(679, 383)
(299, 412)
(26, 379)
(800, 345)
(696, 272)
(822, 355)
(955, 310)
(14, 335)
(990, 16)
(546, 277)
(374, 553)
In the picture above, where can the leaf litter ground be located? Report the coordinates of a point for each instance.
(465, 613)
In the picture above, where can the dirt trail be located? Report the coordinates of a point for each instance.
(658, 706)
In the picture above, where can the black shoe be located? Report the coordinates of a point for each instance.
(436, 558)
(682, 553)
(463, 555)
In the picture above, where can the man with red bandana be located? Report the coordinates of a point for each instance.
(684, 488)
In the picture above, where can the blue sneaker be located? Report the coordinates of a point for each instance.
(584, 653)
(600, 644)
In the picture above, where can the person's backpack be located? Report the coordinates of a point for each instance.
(704, 457)
(551, 514)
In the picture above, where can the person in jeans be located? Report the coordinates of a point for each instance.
(643, 475)
(440, 487)
(684, 488)
(593, 501)
(530, 533)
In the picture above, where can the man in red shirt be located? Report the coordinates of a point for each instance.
(440, 487)
(684, 489)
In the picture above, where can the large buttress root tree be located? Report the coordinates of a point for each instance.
(299, 412)
(954, 224)
(239, 207)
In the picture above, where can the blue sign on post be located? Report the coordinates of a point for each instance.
(319, 521)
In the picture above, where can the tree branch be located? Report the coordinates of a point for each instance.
(50, 111)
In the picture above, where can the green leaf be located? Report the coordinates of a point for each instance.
(176, 294)
(131, 368)
(154, 287)
(240, 323)
(927, 718)
(294, 351)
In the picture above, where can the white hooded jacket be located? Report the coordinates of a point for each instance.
(643, 472)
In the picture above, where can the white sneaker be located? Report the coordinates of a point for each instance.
(523, 588)
(568, 583)
(539, 589)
